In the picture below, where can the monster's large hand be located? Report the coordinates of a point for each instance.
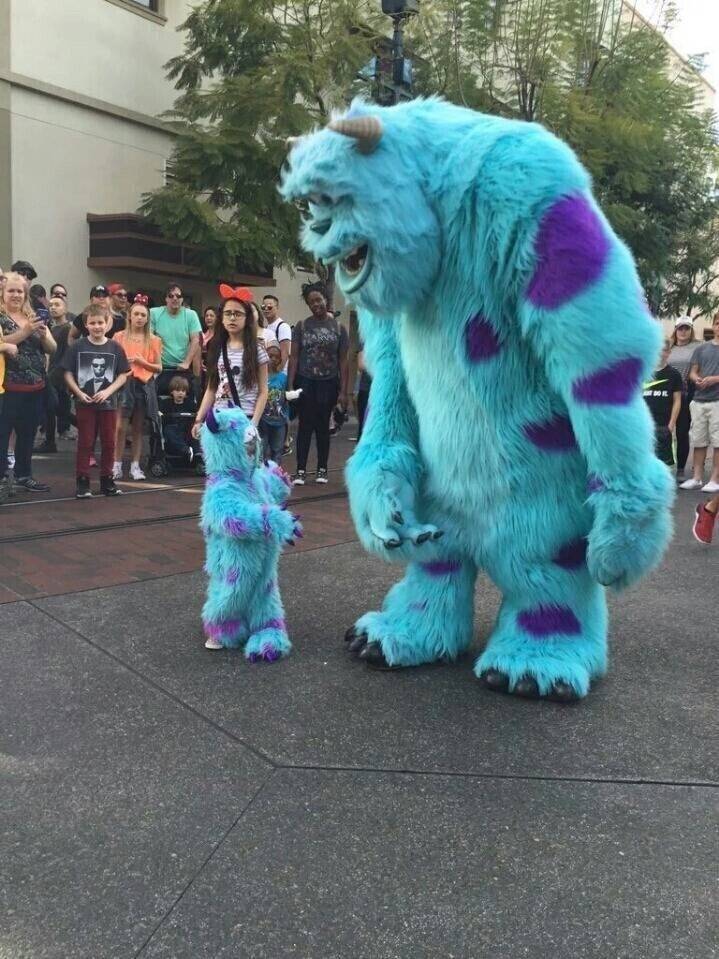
(383, 507)
(632, 525)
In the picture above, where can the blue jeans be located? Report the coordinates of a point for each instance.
(273, 440)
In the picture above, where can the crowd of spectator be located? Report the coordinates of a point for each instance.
(121, 368)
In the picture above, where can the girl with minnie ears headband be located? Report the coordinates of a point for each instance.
(236, 360)
(138, 399)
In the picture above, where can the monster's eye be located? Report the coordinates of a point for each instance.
(320, 199)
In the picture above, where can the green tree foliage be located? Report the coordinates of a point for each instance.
(602, 80)
(254, 72)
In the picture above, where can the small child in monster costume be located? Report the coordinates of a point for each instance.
(488, 281)
(246, 523)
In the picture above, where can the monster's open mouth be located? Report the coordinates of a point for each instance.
(354, 268)
(354, 261)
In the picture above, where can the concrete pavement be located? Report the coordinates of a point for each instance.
(159, 800)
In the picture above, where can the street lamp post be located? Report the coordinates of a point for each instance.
(400, 11)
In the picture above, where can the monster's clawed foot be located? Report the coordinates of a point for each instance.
(264, 648)
(528, 688)
(359, 645)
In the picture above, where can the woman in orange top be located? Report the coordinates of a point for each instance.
(138, 399)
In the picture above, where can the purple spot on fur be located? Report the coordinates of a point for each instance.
(418, 607)
(572, 250)
(236, 527)
(548, 619)
(232, 576)
(212, 479)
(222, 628)
(254, 657)
(269, 653)
(614, 385)
(272, 624)
(555, 435)
(239, 475)
(480, 339)
(265, 521)
(595, 484)
(441, 567)
(270, 586)
(572, 555)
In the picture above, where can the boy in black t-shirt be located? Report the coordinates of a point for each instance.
(95, 369)
(663, 395)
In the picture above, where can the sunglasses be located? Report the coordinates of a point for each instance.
(174, 296)
(121, 295)
(233, 314)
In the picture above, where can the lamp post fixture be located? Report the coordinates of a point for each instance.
(400, 11)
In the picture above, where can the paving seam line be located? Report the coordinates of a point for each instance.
(522, 777)
(158, 687)
(161, 922)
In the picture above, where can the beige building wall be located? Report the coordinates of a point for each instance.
(79, 134)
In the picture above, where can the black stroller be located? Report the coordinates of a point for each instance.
(172, 446)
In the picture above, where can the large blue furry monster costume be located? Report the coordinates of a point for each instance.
(245, 525)
(505, 329)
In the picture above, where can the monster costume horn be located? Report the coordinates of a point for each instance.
(367, 131)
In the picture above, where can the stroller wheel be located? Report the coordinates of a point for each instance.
(158, 469)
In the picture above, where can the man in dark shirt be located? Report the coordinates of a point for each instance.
(663, 395)
(99, 295)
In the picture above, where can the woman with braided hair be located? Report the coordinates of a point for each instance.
(318, 366)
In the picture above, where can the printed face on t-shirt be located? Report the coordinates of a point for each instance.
(96, 369)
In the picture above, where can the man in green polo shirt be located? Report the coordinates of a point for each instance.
(179, 329)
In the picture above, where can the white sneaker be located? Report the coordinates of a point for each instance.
(212, 643)
(691, 484)
(11, 461)
(135, 472)
(117, 471)
(710, 487)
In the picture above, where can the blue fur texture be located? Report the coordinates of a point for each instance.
(245, 523)
(507, 336)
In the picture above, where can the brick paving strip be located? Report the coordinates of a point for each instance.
(69, 546)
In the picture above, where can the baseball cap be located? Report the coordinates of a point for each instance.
(25, 268)
(683, 321)
(99, 291)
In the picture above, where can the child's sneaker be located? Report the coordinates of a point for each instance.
(321, 476)
(117, 470)
(107, 486)
(300, 478)
(82, 489)
(703, 528)
(211, 643)
(136, 473)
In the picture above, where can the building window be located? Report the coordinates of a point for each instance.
(150, 9)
